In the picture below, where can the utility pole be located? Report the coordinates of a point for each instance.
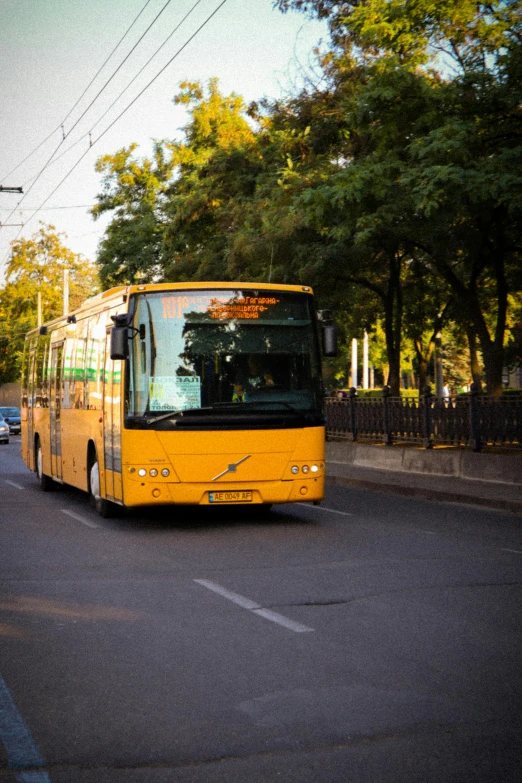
(65, 291)
(437, 360)
(354, 363)
(365, 361)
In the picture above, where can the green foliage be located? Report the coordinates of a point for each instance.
(394, 189)
(37, 266)
(130, 251)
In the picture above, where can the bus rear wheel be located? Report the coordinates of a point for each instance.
(46, 483)
(103, 507)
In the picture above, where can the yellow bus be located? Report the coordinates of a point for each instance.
(160, 394)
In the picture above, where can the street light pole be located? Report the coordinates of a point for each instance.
(365, 361)
(437, 359)
(354, 362)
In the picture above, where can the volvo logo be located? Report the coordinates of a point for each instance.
(231, 468)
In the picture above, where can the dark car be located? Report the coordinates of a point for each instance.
(4, 430)
(12, 417)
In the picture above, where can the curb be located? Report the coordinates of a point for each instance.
(499, 504)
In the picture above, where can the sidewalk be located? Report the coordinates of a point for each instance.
(360, 465)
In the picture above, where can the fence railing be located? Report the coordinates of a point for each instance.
(475, 420)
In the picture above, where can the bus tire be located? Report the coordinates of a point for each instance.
(46, 483)
(103, 507)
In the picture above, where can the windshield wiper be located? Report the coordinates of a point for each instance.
(172, 414)
(239, 407)
(182, 412)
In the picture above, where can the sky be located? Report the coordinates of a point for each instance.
(52, 49)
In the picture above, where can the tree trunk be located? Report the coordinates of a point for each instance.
(423, 373)
(493, 366)
(393, 324)
(476, 370)
(493, 250)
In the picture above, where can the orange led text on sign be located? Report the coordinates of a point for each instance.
(219, 308)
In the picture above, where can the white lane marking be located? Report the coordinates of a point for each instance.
(14, 484)
(280, 619)
(79, 518)
(516, 551)
(324, 508)
(334, 511)
(246, 603)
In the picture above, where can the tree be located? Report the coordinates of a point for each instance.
(174, 214)
(400, 176)
(459, 147)
(37, 266)
(131, 250)
(215, 165)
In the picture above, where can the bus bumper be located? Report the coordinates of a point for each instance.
(237, 493)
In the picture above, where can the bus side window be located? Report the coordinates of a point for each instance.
(46, 358)
(94, 369)
(79, 364)
(39, 371)
(25, 375)
(68, 371)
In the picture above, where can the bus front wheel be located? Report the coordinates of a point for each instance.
(103, 507)
(46, 483)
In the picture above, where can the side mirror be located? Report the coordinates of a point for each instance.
(329, 340)
(119, 342)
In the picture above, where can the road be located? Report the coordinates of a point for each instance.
(374, 638)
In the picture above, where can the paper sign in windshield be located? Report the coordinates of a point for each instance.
(170, 392)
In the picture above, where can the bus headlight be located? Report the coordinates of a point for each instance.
(305, 468)
(314, 468)
(165, 472)
(142, 472)
(295, 469)
(153, 472)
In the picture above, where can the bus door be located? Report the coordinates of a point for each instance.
(112, 424)
(55, 406)
(30, 393)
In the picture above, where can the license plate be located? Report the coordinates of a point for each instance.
(231, 496)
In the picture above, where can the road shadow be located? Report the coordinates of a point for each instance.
(203, 518)
(189, 518)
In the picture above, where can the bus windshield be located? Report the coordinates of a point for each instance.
(222, 353)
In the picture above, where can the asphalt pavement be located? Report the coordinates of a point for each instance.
(374, 638)
(501, 495)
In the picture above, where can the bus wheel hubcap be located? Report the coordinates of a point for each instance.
(95, 481)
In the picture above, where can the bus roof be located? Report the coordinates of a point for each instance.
(132, 289)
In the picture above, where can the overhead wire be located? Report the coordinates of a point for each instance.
(35, 209)
(158, 50)
(177, 53)
(50, 160)
(47, 163)
(120, 65)
(6, 176)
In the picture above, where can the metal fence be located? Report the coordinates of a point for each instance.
(475, 420)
